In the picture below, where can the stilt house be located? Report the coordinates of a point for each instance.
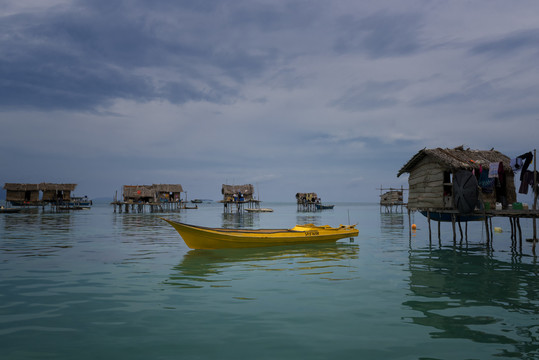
(37, 194)
(57, 193)
(432, 174)
(168, 192)
(155, 193)
(230, 192)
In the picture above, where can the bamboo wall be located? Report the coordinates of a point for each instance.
(426, 186)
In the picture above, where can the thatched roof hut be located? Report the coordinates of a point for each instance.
(306, 197)
(152, 193)
(57, 192)
(246, 190)
(392, 197)
(432, 171)
(168, 192)
(29, 193)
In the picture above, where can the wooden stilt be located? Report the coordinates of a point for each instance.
(430, 233)
(409, 225)
(454, 230)
(460, 230)
(519, 233)
(487, 231)
(439, 234)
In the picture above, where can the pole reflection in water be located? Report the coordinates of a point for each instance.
(240, 220)
(465, 294)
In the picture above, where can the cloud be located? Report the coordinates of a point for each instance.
(370, 95)
(382, 34)
(509, 44)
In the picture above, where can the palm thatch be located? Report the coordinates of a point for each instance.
(458, 158)
(246, 190)
(309, 197)
(431, 176)
(168, 188)
(29, 193)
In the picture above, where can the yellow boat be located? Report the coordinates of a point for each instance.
(199, 237)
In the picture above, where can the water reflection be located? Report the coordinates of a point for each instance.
(467, 295)
(200, 267)
(146, 236)
(392, 224)
(309, 219)
(240, 220)
(36, 233)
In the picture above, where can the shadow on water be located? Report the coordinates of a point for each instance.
(200, 267)
(465, 294)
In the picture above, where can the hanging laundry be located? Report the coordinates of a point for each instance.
(516, 164)
(493, 169)
(527, 158)
(485, 183)
(527, 181)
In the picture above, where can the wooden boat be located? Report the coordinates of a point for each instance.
(199, 237)
(259, 210)
(4, 210)
(324, 207)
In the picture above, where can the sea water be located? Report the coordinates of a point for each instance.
(95, 284)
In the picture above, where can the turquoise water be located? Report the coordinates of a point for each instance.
(95, 284)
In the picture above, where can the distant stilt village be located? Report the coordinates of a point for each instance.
(445, 185)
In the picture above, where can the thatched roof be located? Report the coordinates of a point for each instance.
(169, 188)
(458, 158)
(57, 187)
(306, 195)
(38, 187)
(21, 187)
(247, 189)
(138, 191)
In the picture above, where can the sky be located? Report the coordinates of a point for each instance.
(332, 97)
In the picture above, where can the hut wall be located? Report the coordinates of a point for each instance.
(391, 197)
(21, 196)
(228, 191)
(138, 192)
(426, 186)
(53, 195)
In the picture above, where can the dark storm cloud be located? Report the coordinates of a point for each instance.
(382, 34)
(89, 55)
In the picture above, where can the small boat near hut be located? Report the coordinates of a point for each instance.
(199, 237)
(324, 207)
(259, 210)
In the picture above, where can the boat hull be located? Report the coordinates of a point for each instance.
(324, 207)
(446, 217)
(197, 237)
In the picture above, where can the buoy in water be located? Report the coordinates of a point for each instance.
(498, 229)
(414, 227)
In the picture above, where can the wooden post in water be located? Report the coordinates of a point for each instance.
(439, 234)
(428, 219)
(534, 199)
(487, 232)
(454, 230)
(409, 225)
